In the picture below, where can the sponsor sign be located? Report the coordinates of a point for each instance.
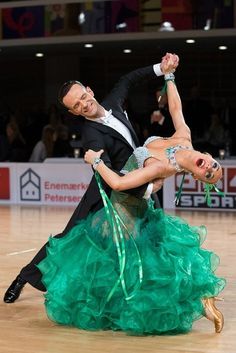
(44, 183)
(193, 197)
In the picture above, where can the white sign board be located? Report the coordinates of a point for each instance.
(43, 183)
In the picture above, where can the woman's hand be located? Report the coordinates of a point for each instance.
(90, 156)
(169, 63)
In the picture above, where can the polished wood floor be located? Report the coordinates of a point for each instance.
(24, 326)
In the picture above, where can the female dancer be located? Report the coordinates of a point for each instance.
(129, 266)
(172, 155)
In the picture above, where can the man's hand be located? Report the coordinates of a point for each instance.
(90, 155)
(157, 184)
(169, 63)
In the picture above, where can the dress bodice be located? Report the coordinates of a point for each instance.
(140, 154)
(136, 160)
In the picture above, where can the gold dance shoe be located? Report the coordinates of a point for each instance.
(213, 314)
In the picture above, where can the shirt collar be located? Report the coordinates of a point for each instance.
(102, 119)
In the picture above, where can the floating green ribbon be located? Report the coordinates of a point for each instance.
(178, 194)
(116, 222)
(207, 189)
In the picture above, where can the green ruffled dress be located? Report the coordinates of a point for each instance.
(129, 267)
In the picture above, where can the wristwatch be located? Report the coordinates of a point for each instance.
(96, 162)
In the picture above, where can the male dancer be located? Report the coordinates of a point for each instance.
(105, 127)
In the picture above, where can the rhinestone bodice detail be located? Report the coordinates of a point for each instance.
(140, 154)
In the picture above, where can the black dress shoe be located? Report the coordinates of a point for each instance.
(13, 292)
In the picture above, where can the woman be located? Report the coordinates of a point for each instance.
(174, 154)
(44, 148)
(129, 266)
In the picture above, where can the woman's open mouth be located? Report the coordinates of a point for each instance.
(200, 162)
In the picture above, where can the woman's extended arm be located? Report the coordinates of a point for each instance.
(175, 109)
(131, 180)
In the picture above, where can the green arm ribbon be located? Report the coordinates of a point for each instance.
(116, 224)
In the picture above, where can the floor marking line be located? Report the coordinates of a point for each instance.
(20, 252)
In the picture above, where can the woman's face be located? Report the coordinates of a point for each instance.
(205, 168)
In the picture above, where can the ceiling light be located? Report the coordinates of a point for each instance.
(88, 45)
(127, 51)
(222, 47)
(39, 55)
(190, 41)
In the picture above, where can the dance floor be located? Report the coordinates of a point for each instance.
(24, 326)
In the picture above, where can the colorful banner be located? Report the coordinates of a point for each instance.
(122, 16)
(23, 22)
(178, 12)
(54, 19)
(92, 17)
(193, 197)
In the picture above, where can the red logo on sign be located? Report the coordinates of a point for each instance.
(231, 180)
(4, 184)
(190, 184)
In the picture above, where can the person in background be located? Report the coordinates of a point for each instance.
(44, 148)
(13, 146)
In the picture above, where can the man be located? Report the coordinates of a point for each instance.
(105, 127)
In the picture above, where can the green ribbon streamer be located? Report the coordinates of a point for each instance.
(116, 222)
(178, 194)
(207, 189)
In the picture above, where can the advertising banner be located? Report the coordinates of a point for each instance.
(193, 197)
(43, 183)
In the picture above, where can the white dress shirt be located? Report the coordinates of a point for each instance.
(110, 120)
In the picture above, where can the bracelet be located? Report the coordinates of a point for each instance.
(169, 77)
(96, 162)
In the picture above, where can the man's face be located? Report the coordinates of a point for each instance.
(80, 101)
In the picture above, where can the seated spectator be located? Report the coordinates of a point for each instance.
(13, 146)
(44, 148)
